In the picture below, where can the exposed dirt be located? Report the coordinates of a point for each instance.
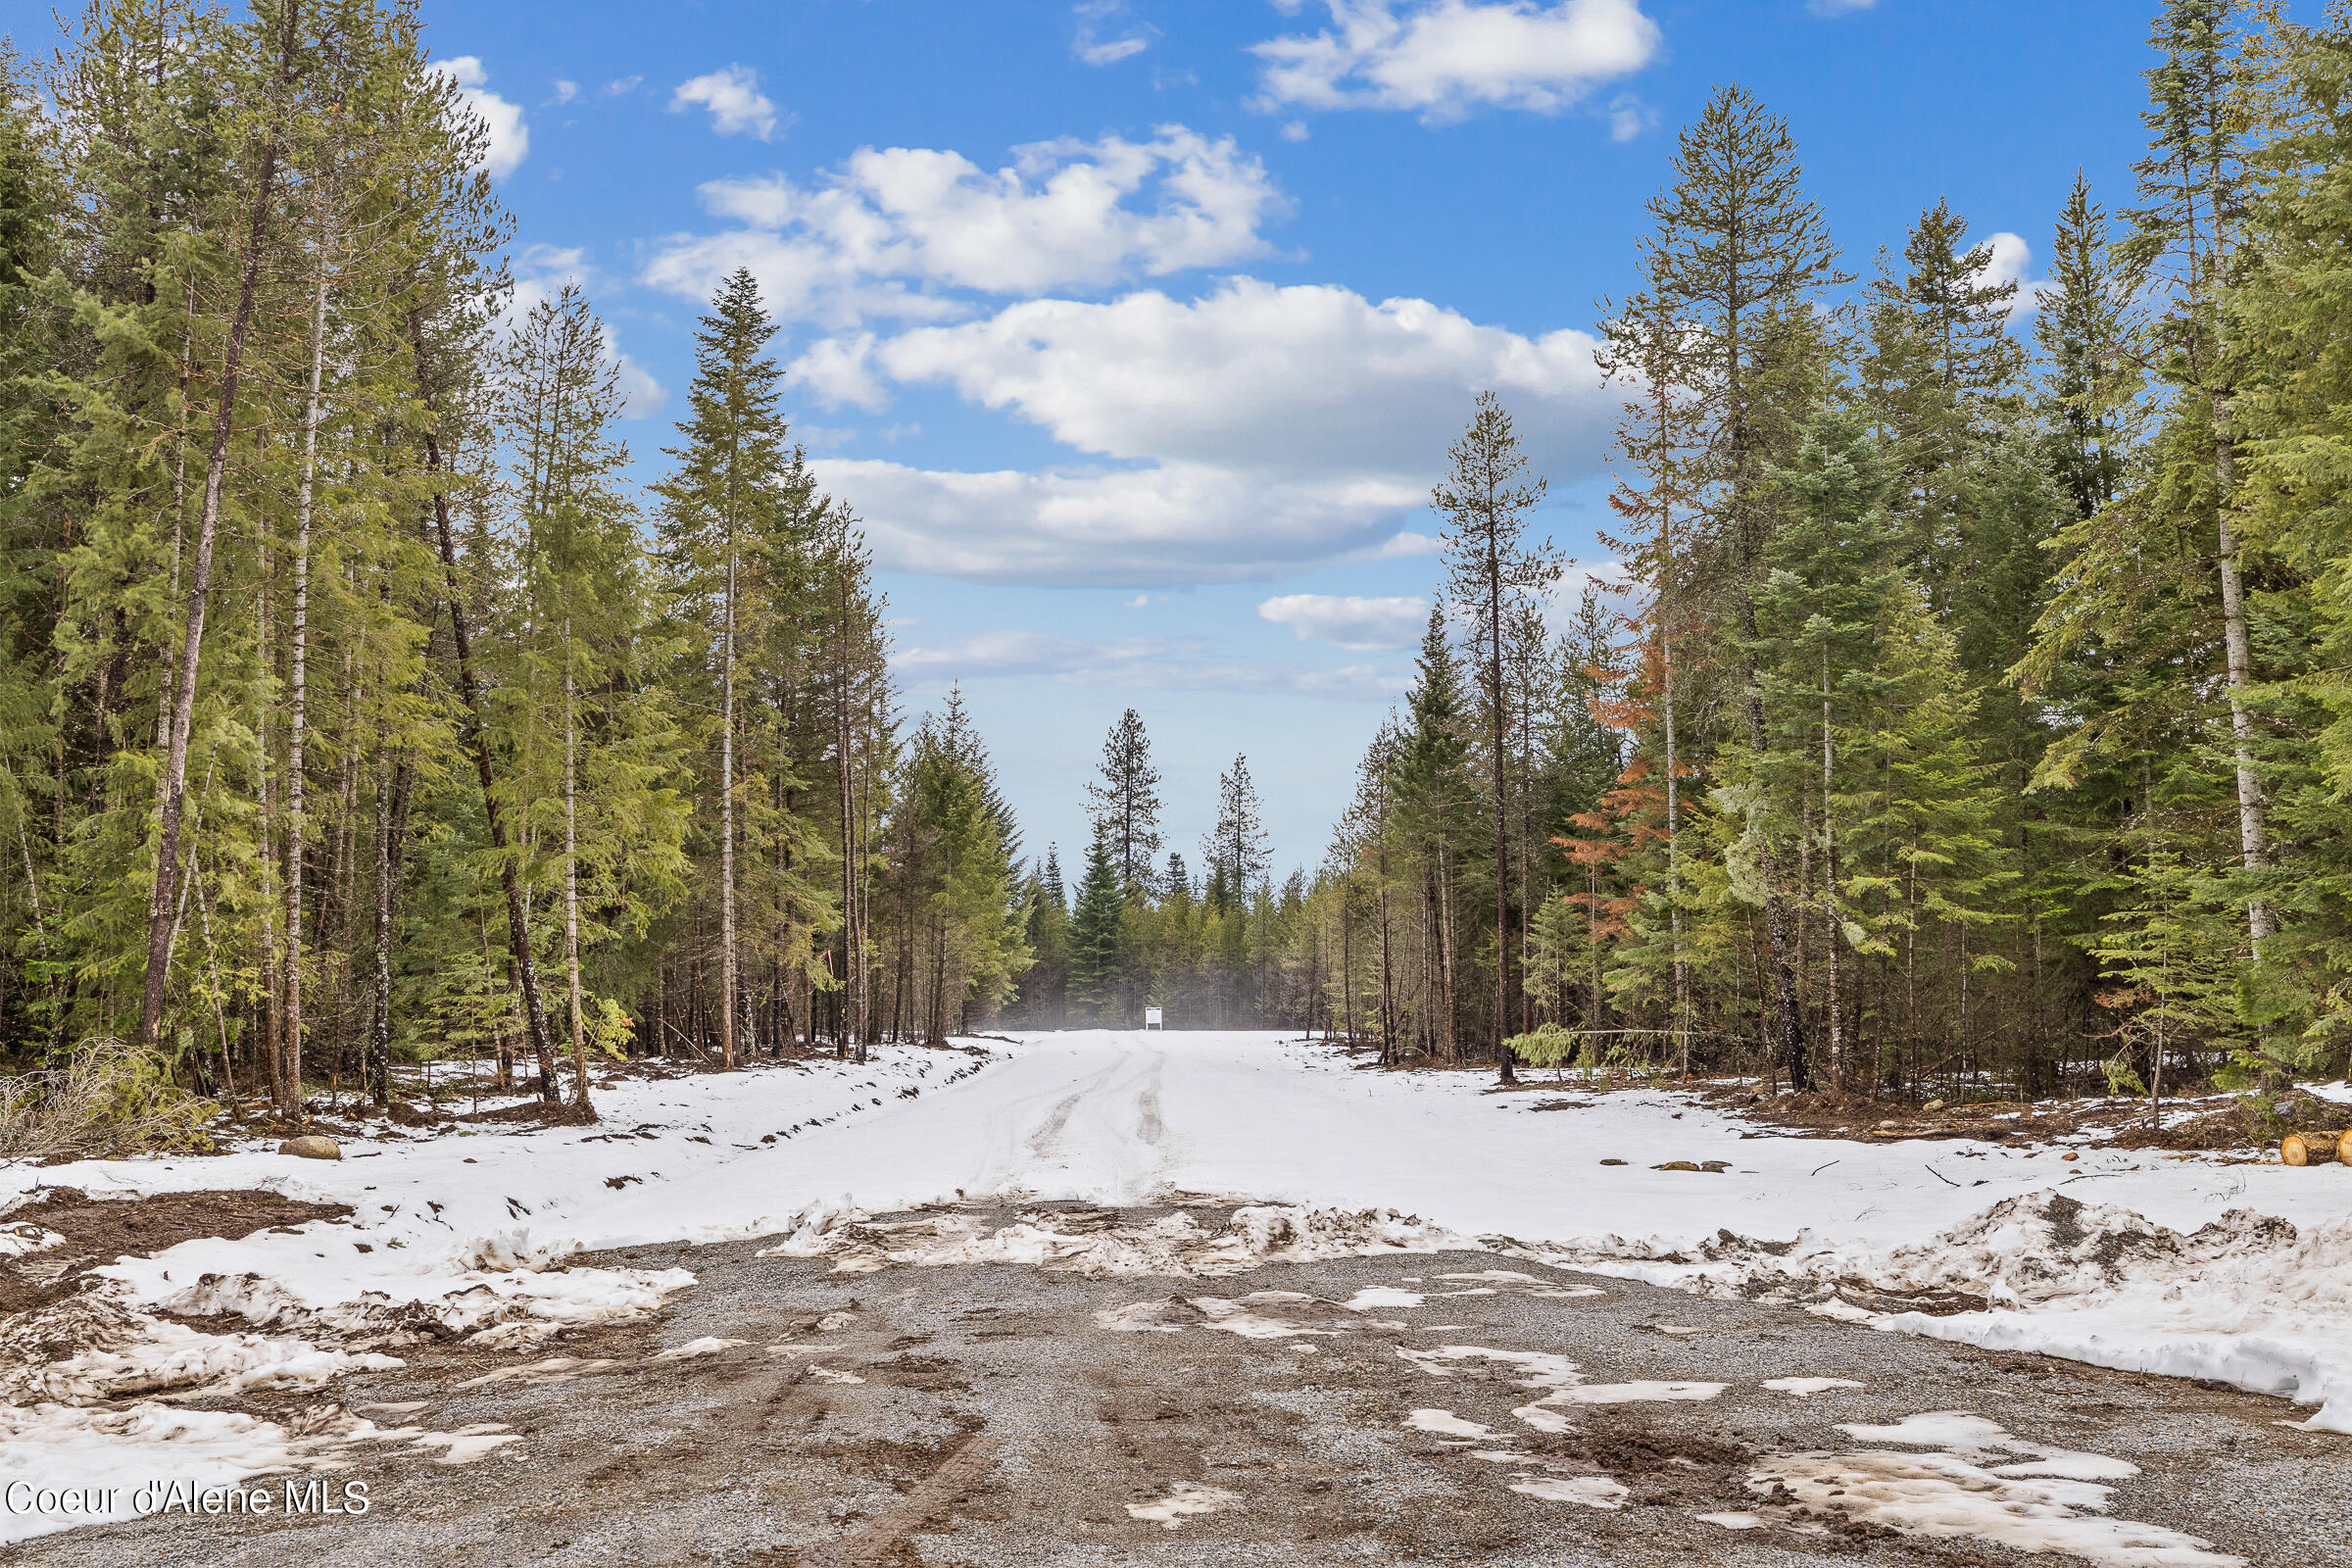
(99, 1230)
(537, 1113)
(2227, 1124)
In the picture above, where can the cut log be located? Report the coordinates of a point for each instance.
(2311, 1148)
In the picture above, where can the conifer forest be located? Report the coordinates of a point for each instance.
(1964, 696)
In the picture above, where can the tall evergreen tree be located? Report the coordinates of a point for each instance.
(1739, 258)
(1124, 802)
(715, 505)
(1490, 571)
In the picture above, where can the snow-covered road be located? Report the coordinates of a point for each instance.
(1122, 1118)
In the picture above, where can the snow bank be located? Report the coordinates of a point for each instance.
(117, 1351)
(101, 1464)
(2249, 1299)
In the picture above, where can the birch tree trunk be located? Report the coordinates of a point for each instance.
(2252, 831)
(571, 880)
(298, 691)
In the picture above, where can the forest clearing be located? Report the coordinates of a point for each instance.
(1348, 781)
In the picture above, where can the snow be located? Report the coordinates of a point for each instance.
(1445, 1422)
(1186, 1500)
(2192, 1266)
(1806, 1388)
(1594, 1492)
(2052, 1501)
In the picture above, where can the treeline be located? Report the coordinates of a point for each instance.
(1220, 946)
(1976, 706)
(354, 703)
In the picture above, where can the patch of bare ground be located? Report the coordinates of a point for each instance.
(99, 1230)
(2217, 1123)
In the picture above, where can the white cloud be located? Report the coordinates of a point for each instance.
(1308, 379)
(2012, 260)
(1242, 435)
(566, 91)
(1839, 8)
(1164, 525)
(1359, 625)
(1152, 663)
(643, 395)
(1097, 18)
(621, 86)
(509, 139)
(878, 235)
(1630, 117)
(1407, 545)
(1444, 58)
(734, 99)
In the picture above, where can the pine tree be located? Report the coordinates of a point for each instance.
(726, 480)
(577, 629)
(1125, 801)
(2188, 241)
(1489, 568)
(1236, 850)
(1738, 259)
(1096, 928)
(1430, 781)
(1045, 989)
(2090, 386)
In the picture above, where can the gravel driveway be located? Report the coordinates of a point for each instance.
(993, 1415)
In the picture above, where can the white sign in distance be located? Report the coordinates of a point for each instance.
(1152, 1018)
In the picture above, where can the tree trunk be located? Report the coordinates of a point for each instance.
(1502, 836)
(163, 902)
(518, 927)
(298, 690)
(726, 823)
(571, 883)
(2252, 831)
(1829, 881)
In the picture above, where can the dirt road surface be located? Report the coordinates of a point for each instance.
(984, 1416)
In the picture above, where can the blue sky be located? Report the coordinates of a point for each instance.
(1136, 329)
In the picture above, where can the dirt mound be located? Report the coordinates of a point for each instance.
(2251, 1122)
(2224, 1122)
(1633, 1447)
(537, 1112)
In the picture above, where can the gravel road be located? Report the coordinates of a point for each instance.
(984, 1415)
